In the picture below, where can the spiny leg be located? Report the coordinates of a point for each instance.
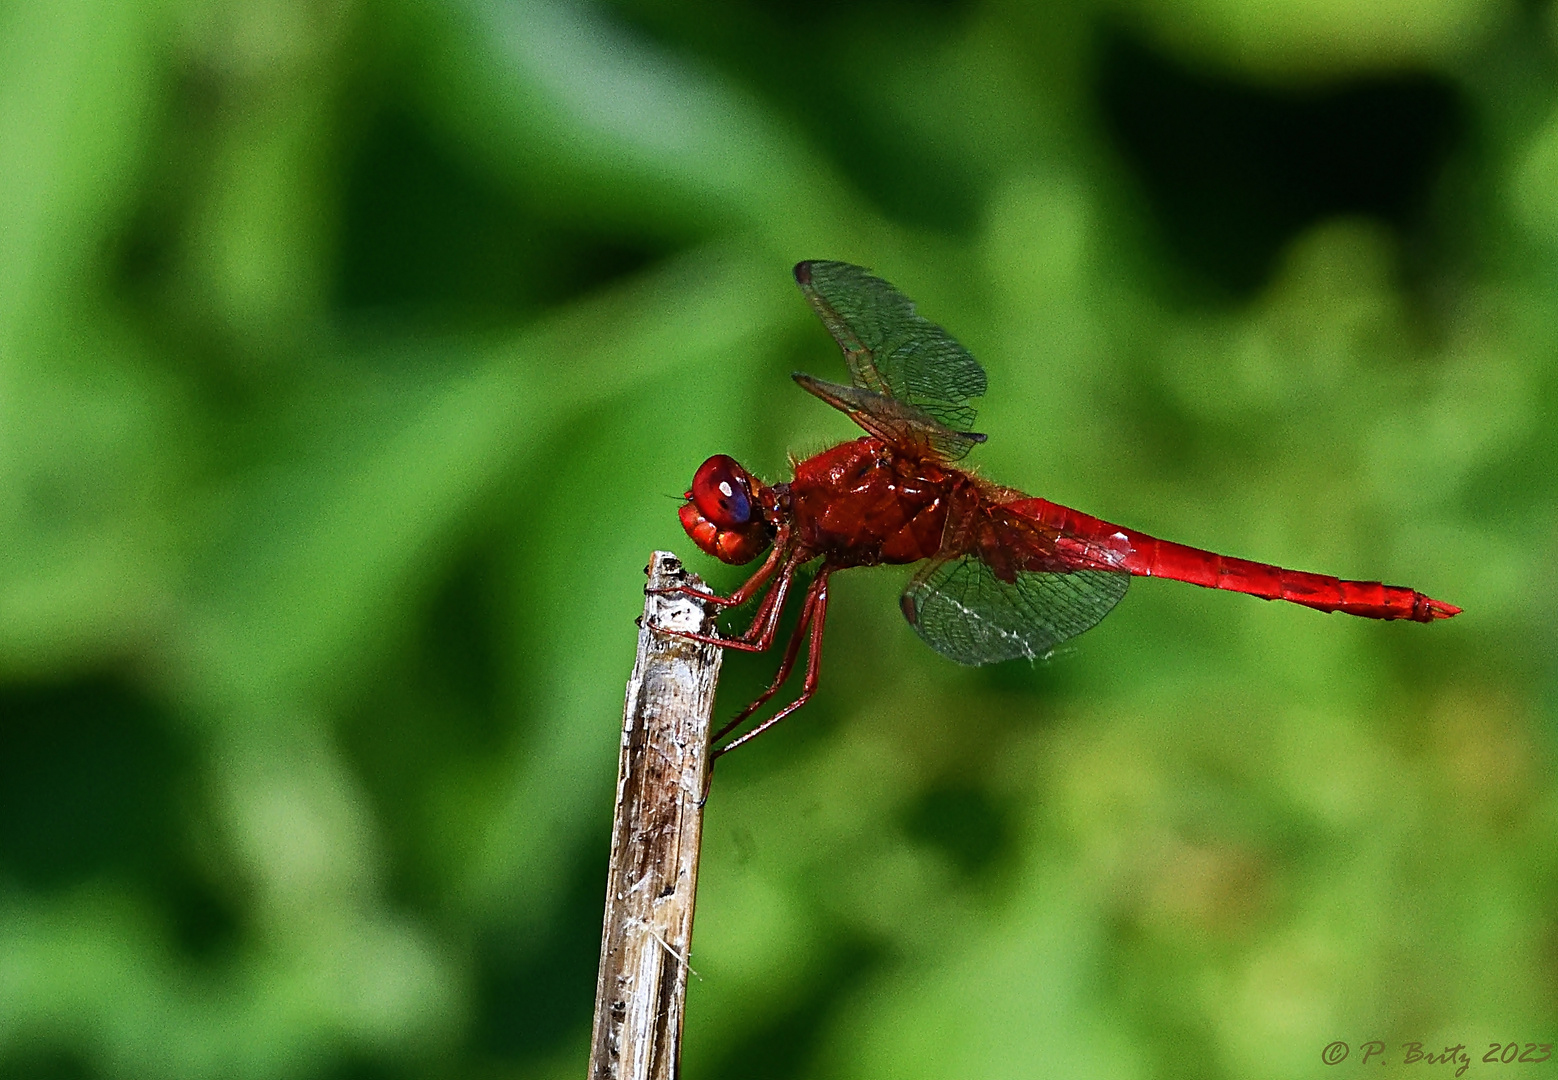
(759, 637)
(817, 599)
(792, 650)
(748, 588)
(765, 620)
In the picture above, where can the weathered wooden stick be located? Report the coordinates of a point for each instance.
(652, 883)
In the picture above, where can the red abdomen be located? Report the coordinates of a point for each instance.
(1105, 546)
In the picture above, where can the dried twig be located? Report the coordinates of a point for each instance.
(642, 987)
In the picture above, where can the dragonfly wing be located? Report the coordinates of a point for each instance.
(888, 418)
(890, 349)
(966, 612)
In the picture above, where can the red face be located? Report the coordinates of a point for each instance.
(723, 514)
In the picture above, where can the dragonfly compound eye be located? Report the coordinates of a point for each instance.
(723, 492)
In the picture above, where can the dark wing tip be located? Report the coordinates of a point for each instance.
(803, 272)
(974, 436)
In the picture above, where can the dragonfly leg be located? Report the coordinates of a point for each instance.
(748, 588)
(817, 609)
(759, 637)
(791, 651)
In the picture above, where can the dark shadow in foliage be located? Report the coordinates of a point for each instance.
(809, 60)
(95, 782)
(460, 653)
(534, 996)
(966, 823)
(145, 258)
(437, 715)
(1232, 170)
(425, 238)
(435, 712)
(357, 1066)
(781, 1046)
(45, 1063)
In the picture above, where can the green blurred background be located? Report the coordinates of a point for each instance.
(349, 353)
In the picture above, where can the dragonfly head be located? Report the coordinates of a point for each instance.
(724, 513)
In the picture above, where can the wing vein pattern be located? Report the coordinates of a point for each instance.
(964, 611)
(890, 349)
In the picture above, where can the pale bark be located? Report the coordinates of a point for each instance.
(652, 882)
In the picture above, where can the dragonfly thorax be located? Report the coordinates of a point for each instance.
(862, 504)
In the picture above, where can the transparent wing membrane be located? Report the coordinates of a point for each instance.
(891, 350)
(968, 614)
(888, 418)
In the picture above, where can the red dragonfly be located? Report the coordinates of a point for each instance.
(1007, 575)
